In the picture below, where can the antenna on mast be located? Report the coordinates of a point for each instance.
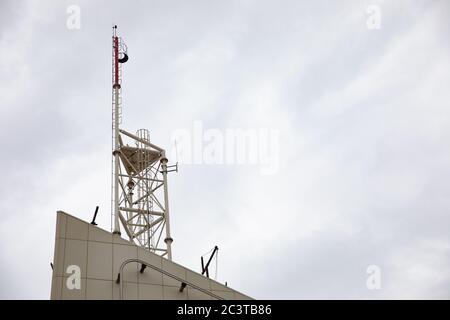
(140, 200)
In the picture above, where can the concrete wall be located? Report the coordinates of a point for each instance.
(98, 254)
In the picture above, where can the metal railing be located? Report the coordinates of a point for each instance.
(186, 283)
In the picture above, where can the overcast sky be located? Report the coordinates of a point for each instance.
(360, 108)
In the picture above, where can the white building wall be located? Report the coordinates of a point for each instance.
(99, 255)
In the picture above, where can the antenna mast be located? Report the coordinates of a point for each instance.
(139, 193)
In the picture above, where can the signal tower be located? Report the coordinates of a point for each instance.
(139, 196)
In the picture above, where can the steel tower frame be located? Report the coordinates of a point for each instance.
(139, 190)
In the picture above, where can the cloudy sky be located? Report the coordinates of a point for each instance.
(356, 94)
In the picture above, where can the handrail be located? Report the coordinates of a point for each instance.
(122, 266)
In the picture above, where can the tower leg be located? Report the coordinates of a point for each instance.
(168, 240)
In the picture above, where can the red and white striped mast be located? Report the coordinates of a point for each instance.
(116, 122)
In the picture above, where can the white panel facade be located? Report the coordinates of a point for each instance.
(93, 258)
